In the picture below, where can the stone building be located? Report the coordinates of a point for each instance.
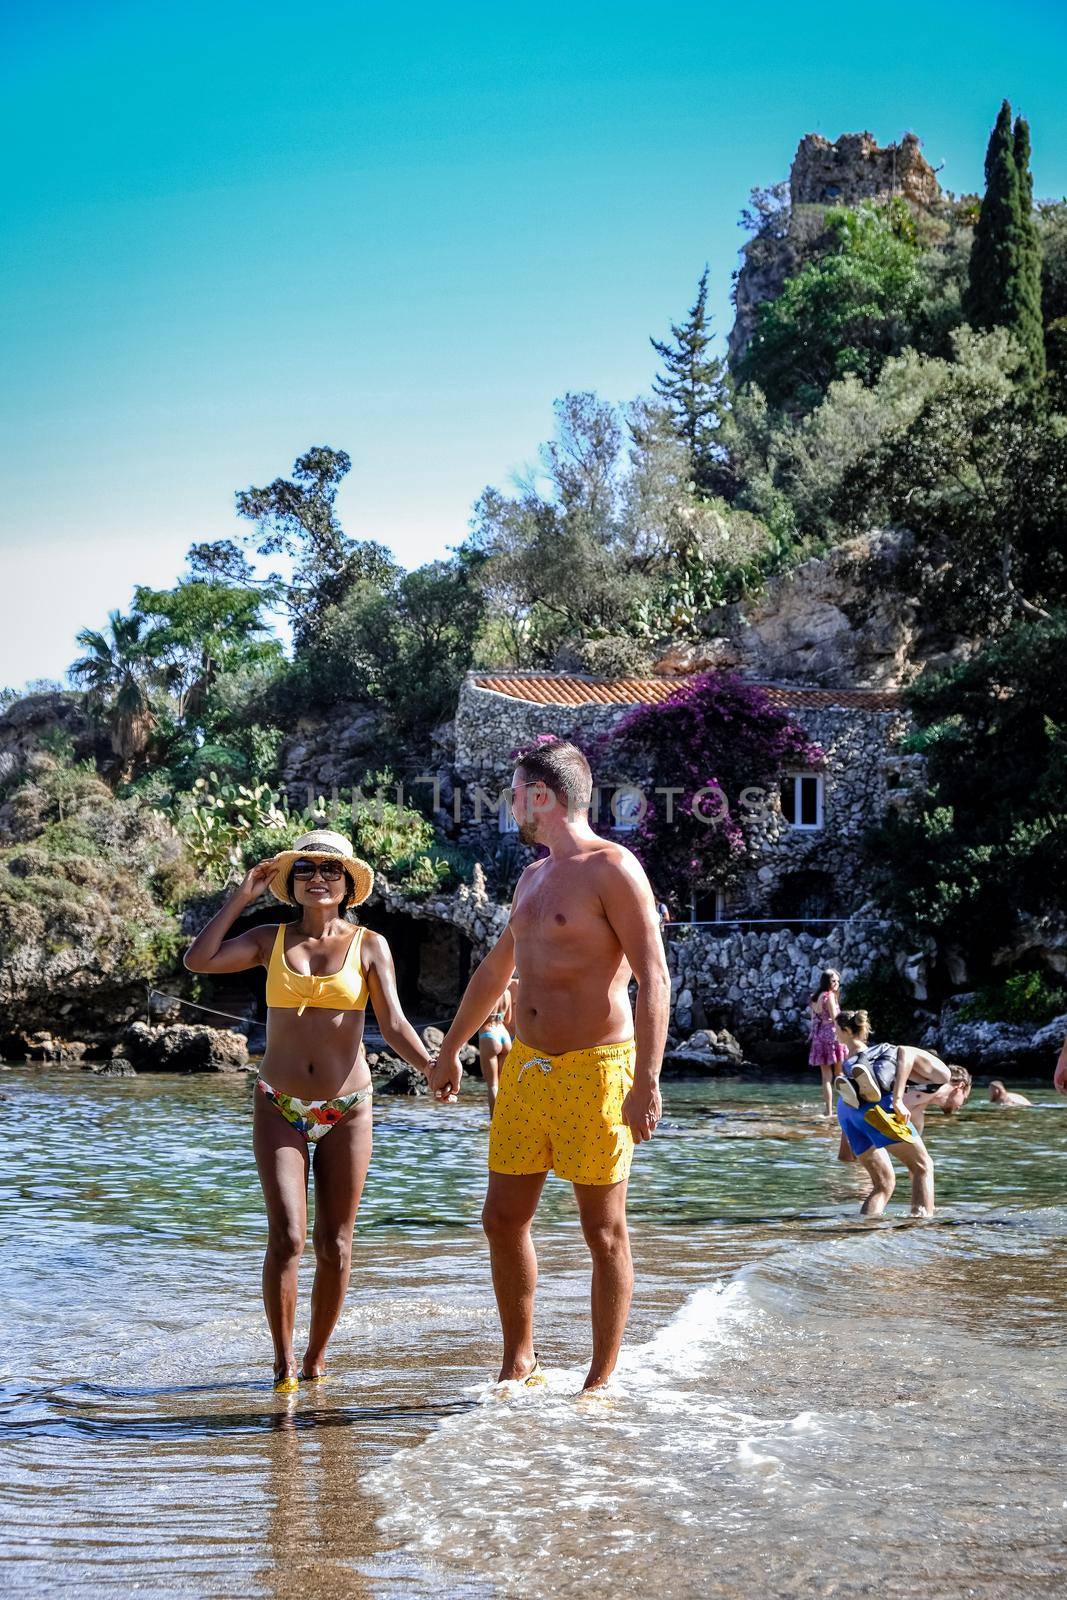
(803, 841)
(746, 958)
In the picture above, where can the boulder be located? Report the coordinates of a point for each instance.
(42, 1046)
(704, 1055)
(406, 1081)
(118, 1067)
(185, 1048)
(433, 1039)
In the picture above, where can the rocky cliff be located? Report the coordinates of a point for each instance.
(842, 620)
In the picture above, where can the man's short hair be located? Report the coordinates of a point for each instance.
(561, 767)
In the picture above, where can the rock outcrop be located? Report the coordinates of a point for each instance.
(843, 620)
(84, 881)
(329, 752)
(37, 721)
(852, 169)
(705, 1054)
(992, 1047)
(184, 1048)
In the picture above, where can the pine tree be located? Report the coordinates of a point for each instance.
(1005, 269)
(693, 383)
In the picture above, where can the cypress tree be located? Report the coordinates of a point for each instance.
(1004, 288)
(1030, 323)
(693, 383)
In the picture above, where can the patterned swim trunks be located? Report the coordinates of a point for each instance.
(563, 1114)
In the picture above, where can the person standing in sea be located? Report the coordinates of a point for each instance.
(874, 1118)
(494, 1042)
(826, 1051)
(581, 1082)
(312, 1110)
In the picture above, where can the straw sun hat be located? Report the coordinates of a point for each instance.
(321, 845)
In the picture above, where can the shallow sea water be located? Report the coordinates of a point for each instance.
(806, 1405)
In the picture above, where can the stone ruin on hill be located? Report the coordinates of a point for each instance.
(854, 168)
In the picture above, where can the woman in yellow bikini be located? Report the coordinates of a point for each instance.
(312, 1101)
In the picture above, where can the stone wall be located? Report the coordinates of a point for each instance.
(758, 984)
(864, 776)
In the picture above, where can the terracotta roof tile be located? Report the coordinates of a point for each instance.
(559, 689)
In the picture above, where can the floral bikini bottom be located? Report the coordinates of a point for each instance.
(313, 1118)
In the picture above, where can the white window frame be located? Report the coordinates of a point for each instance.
(720, 905)
(622, 823)
(819, 780)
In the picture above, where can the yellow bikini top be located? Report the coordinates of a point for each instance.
(343, 990)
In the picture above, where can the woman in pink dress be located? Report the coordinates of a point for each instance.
(826, 1052)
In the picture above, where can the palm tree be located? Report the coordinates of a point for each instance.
(118, 674)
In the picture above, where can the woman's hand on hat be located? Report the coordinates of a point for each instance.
(256, 880)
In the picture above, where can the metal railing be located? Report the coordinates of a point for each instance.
(739, 924)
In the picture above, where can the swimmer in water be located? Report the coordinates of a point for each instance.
(1006, 1097)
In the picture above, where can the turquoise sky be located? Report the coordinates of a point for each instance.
(236, 230)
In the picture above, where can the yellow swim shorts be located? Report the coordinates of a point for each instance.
(564, 1114)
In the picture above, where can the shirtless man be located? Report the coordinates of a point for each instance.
(1006, 1097)
(581, 1081)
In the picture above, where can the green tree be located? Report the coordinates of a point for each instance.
(846, 311)
(418, 640)
(199, 629)
(297, 517)
(982, 857)
(1004, 288)
(121, 678)
(693, 384)
(979, 472)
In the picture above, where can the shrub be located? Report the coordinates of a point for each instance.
(882, 993)
(712, 738)
(1025, 997)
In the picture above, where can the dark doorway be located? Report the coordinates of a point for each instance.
(805, 896)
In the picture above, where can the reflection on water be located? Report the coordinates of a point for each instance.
(807, 1404)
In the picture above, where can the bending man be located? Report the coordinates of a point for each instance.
(581, 1082)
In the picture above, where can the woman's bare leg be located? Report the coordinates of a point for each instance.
(490, 1059)
(342, 1157)
(282, 1161)
(827, 1076)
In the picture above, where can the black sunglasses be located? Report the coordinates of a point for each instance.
(329, 871)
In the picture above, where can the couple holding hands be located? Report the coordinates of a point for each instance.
(579, 1087)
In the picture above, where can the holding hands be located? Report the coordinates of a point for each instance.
(445, 1076)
